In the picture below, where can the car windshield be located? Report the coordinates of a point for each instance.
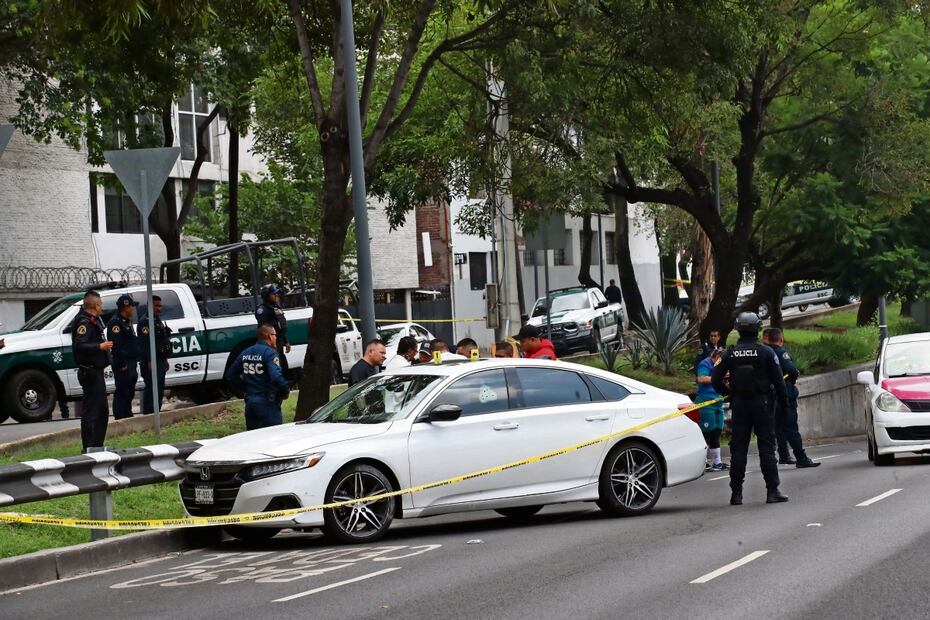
(48, 314)
(562, 303)
(907, 359)
(390, 334)
(378, 399)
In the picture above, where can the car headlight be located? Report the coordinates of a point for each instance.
(586, 324)
(273, 468)
(887, 401)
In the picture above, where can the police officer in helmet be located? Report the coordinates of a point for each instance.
(751, 374)
(271, 312)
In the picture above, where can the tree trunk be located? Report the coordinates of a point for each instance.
(587, 239)
(683, 273)
(233, 204)
(702, 275)
(165, 221)
(668, 265)
(521, 298)
(635, 308)
(867, 309)
(906, 305)
(728, 275)
(775, 313)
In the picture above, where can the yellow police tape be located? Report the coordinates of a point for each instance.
(465, 320)
(253, 517)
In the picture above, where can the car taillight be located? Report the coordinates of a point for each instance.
(690, 412)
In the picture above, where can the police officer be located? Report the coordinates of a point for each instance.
(121, 332)
(786, 419)
(257, 372)
(92, 355)
(162, 351)
(271, 312)
(755, 378)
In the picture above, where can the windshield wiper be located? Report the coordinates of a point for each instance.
(909, 374)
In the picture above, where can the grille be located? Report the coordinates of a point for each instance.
(225, 490)
(918, 406)
(909, 433)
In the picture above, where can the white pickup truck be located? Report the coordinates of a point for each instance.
(581, 318)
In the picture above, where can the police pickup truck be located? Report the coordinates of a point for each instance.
(581, 318)
(37, 368)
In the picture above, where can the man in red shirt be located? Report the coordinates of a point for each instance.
(533, 346)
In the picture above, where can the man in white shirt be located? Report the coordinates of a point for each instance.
(438, 344)
(406, 351)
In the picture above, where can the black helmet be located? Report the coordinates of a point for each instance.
(270, 289)
(748, 322)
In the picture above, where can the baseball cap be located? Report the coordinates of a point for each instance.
(527, 331)
(125, 301)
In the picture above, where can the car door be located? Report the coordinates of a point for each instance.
(607, 318)
(188, 359)
(486, 435)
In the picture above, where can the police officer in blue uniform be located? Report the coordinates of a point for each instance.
(257, 372)
(126, 352)
(271, 312)
(92, 355)
(750, 373)
(162, 352)
(786, 419)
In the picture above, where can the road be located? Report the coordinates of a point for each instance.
(854, 541)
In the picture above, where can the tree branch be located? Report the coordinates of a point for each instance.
(202, 150)
(371, 63)
(306, 57)
(827, 116)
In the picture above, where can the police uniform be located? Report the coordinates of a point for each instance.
(86, 337)
(786, 418)
(273, 314)
(162, 352)
(257, 372)
(755, 380)
(125, 356)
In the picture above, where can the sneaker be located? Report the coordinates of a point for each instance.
(708, 468)
(719, 467)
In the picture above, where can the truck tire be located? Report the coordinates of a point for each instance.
(31, 395)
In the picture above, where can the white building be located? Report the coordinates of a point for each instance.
(54, 214)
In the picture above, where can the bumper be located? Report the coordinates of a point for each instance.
(902, 432)
(565, 343)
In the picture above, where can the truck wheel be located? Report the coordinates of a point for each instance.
(595, 340)
(31, 396)
(802, 308)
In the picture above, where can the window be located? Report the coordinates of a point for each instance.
(171, 307)
(94, 216)
(598, 296)
(529, 257)
(563, 257)
(121, 213)
(377, 399)
(193, 108)
(138, 130)
(482, 392)
(608, 389)
(546, 387)
(478, 270)
(610, 248)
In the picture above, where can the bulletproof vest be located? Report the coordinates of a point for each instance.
(748, 375)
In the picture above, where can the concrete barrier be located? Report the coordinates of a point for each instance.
(832, 404)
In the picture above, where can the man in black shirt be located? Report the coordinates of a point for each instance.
(370, 364)
(126, 354)
(612, 293)
(91, 354)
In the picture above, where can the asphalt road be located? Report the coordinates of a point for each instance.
(821, 555)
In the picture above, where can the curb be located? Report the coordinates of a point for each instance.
(68, 562)
(116, 428)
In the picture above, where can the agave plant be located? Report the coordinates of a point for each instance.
(638, 352)
(609, 351)
(666, 332)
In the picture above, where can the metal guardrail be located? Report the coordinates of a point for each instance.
(69, 278)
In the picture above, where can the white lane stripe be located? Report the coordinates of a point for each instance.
(720, 477)
(335, 585)
(878, 498)
(832, 456)
(723, 570)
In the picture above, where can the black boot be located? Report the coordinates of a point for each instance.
(786, 460)
(774, 496)
(736, 497)
(806, 462)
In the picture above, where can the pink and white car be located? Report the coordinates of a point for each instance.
(898, 398)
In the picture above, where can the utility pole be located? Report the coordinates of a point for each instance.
(882, 320)
(505, 239)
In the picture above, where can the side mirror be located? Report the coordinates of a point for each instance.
(445, 413)
(540, 311)
(865, 377)
(602, 304)
(342, 328)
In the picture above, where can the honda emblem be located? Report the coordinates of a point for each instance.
(204, 473)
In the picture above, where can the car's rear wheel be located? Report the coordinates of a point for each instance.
(631, 480)
(31, 395)
(802, 308)
(251, 534)
(521, 512)
(363, 522)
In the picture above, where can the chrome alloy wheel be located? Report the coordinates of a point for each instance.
(635, 479)
(364, 519)
(30, 398)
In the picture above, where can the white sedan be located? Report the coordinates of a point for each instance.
(391, 335)
(429, 422)
(898, 398)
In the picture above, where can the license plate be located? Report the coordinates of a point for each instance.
(203, 495)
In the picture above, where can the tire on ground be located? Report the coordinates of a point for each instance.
(30, 396)
(650, 475)
(336, 520)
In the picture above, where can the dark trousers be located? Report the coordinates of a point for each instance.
(94, 411)
(786, 426)
(125, 379)
(148, 406)
(260, 412)
(752, 414)
(282, 358)
(712, 438)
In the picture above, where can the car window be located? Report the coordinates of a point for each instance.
(598, 296)
(109, 307)
(345, 318)
(171, 307)
(482, 392)
(380, 398)
(608, 389)
(546, 387)
(420, 333)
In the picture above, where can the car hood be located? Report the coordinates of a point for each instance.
(26, 341)
(282, 441)
(908, 388)
(574, 316)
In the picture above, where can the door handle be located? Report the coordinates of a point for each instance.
(185, 330)
(597, 418)
(506, 426)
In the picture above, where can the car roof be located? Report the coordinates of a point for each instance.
(904, 338)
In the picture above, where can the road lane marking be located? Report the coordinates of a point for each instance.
(723, 570)
(335, 585)
(832, 456)
(878, 498)
(720, 477)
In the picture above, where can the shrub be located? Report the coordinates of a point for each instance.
(638, 352)
(666, 332)
(609, 353)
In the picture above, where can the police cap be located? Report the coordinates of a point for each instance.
(270, 289)
(125, 301)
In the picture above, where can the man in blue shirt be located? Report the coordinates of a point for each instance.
(257, 372)
(712, 420)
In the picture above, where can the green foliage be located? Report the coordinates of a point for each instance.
(609, 352)
(666, 332)
(637, 352)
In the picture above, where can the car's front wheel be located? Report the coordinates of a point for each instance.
(881, 460)
(802, 308)
(31, 396)
(631, 480)
(365, 521)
